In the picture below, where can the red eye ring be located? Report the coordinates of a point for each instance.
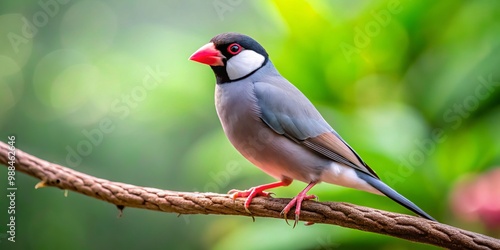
(234, 48)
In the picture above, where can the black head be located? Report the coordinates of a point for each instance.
(232, 56)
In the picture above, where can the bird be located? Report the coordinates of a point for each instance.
(277, 128)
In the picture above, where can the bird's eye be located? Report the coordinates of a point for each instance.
(234, 48)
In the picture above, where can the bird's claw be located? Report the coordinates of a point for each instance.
(249, 194)
(297, 216)
(283, 214)
(297, 202)
(248, 211)
(311, 197)
(235, 193)
(232, 191)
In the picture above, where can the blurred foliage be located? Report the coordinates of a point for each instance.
(411, 85)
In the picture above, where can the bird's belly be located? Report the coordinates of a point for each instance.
(273, 153)
(277, 155)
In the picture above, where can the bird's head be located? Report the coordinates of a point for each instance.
(232, 56)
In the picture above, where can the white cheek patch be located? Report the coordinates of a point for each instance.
(243, 64)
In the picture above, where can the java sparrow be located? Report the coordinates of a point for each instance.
(273, 125)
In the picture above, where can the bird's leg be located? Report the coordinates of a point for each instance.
(297, 202)
(257, 191)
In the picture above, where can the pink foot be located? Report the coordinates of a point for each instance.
(249, 194)
(297, 202)
(257, 191)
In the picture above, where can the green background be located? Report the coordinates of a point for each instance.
(398, 80)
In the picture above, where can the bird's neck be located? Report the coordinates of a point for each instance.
(222, 77)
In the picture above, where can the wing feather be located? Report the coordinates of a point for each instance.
(289, 113)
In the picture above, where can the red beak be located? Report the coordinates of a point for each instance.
(208, 54)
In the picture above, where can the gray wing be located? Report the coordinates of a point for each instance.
(289, 113)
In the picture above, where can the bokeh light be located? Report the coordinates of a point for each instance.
(412, 86)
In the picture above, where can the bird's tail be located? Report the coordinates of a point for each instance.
(395, 196)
